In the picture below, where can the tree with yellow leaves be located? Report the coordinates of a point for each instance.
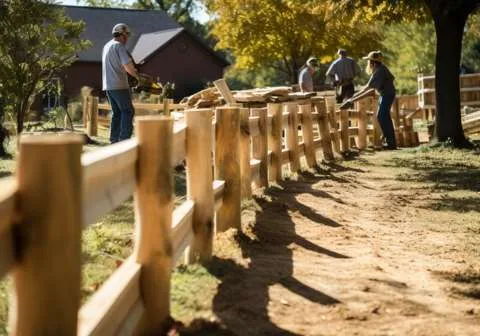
(282, 34)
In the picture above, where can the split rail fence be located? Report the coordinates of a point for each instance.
(58, 191)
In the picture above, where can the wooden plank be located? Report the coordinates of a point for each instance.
(301, 148)
(377, 131)
(260, 146)
(179, 143)
(222, 87)
(128, 326)
(292, 136)
(307, 134)
(106, 310)
(321, 108)
(285, 119)
(285, 156)
(362, 124)
(199, 183)
(153, 218)
(253, 127)
(182, 232)
(100, 162)
(108, 178)
(344, 143)
(275, 142)
(245, 153)
(147, 106)
(218, 190)
(227, 166)
(255, 168)
(7, 251)
(92, 119)
(47, 277)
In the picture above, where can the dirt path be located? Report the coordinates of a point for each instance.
(375, 246)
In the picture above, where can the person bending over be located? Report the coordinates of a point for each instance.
(381, 79)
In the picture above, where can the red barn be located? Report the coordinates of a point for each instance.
(159, 45)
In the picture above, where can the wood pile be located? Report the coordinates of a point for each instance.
(212, 97)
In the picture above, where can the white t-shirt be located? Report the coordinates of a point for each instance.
(114, 56)
(305, 78)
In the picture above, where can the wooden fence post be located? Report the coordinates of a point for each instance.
(47, 275)
(260, 146)
(344, 130)
(377, 131)
(199, 181)
(275, 142)
(85, 109)
(153, 218)
(227, 166)
(395, 114)
(292, 136)
(92, 116)
(307, 131)
(407, 128)
(331, 116)
(245, 155)
(361, 107)
(320, 108)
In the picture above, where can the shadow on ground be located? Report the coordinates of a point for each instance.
(444, 175)
(242, 300)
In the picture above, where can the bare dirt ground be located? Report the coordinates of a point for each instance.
(385, 244)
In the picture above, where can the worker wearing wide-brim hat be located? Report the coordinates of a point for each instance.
(305, 78)
(381, 80)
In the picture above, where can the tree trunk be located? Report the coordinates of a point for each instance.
(449, 28)
(20, 118)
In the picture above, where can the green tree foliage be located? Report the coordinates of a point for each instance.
(36, 41)
(449, 18)
(282, 34)
(416, 54)
(107, 3)
(180, 10)
(471, 44)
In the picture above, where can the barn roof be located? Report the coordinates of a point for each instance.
(151, 29)
(148, 43)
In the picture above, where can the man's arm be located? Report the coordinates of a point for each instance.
(131, 70)
(366, 91)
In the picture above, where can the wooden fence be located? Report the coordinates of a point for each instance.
(469, 91)
(92, 118)
(58, 191)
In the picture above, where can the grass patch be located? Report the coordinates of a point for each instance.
(192, 292)
(105, 245)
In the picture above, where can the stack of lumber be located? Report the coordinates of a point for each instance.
(212, 97)
(471, 123)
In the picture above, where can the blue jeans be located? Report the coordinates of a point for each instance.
(385, 120)
(121, 126)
